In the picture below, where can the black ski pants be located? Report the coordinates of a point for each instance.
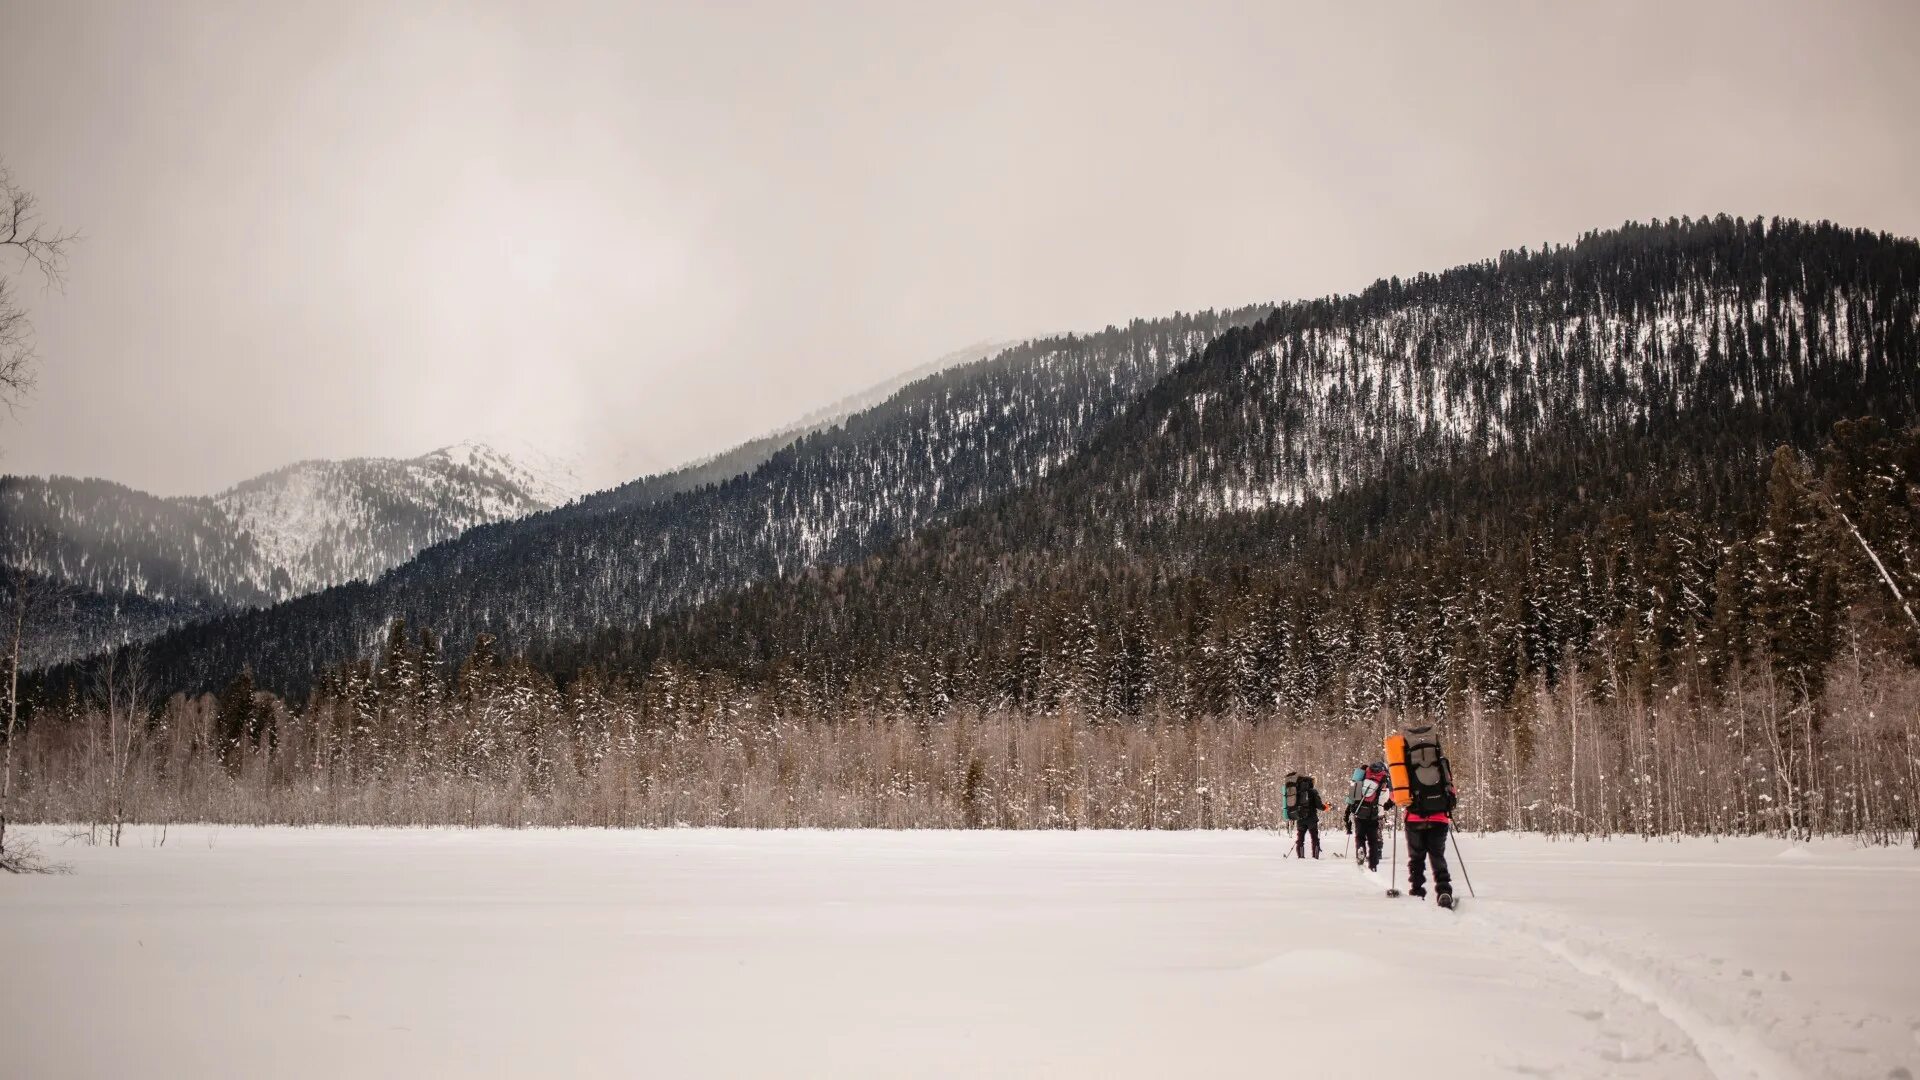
(1427, 840)
(1304, 827)
(1366, 837)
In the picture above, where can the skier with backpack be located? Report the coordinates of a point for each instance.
(1423, 786)
(1301, 804)
(1371, 793)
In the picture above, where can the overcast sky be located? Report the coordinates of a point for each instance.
(332, 230)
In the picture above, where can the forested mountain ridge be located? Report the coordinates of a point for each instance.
(108, 538)
(122, 565)
(1451, 450)
(751, 454)
(1770, 333)
(952, 440)
(107, 564)
(1464, 517)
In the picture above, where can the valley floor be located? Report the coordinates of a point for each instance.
(323, 953)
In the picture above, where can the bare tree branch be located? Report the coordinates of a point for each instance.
(41, 248)
(16, 348)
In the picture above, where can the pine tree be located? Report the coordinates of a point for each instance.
(236, 720)
(1796, 596)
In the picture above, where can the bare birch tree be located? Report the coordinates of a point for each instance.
(42, 249)
(16, 856)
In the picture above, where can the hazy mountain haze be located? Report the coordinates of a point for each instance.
(340, 230)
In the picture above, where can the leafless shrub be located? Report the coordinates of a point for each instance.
(23, 856)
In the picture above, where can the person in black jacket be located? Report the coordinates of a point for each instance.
(1372, 794)
(1306, 816)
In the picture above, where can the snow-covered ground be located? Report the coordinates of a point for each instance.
(327, 953)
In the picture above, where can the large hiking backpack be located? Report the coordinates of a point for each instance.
(1429, 776)
(1356, 794)
(1289, 795)
(1369, 806)
(1306, 799)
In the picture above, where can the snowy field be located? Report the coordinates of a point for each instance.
(329, 953)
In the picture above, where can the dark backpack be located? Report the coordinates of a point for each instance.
(1429, 776)
(1306, 799)
(1289, 794)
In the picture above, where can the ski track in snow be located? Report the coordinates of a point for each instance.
(1730, 1053)
(340, 952)
(1743, 1021)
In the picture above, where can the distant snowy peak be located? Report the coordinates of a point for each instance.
(545, 476)
(329, 522)
(132, 564)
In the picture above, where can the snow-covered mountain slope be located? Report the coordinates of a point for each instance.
(1706, 344)
(945, 443)
(1454, 481)
(1492, 359)
(750, 455)
(329, 522)
(550, 474)
(874, 395)
(108, 550)
(120, 565)
(1468, 365)
(110, 539)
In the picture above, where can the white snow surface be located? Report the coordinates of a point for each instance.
(336, 952)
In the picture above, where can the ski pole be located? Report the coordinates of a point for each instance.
(1463, 863)
(1393, 865)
